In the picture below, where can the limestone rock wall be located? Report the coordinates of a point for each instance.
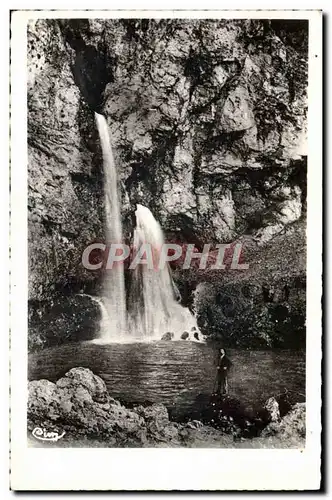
(65, 200)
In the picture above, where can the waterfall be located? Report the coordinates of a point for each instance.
(114, 286)
(153, 299)
(158, 311)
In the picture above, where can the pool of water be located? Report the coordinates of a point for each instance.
(179, 374)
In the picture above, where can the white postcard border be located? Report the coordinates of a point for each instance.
(161, 469)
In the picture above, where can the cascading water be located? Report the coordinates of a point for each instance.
(114, 285)
(158, 311)
(154, 310)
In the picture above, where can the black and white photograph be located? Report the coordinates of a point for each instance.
(167, 237)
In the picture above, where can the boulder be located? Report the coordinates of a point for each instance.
(83, 377)
(272, 407)
(291, 425)
(159, 428)
(80, 405)
(185, 335)
(194, 424)
(168, 336)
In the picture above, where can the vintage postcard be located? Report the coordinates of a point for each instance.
(166, 238)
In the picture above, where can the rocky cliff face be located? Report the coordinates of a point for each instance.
(208, 124)
(65, 168)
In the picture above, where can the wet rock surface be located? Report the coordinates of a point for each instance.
(168, 336)
(291, 424)
(208, 125)
(272, 408)
(79, 406)
(62, 319)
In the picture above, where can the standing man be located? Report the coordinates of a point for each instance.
(224, 364)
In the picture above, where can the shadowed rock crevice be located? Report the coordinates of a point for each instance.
(90, 66)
